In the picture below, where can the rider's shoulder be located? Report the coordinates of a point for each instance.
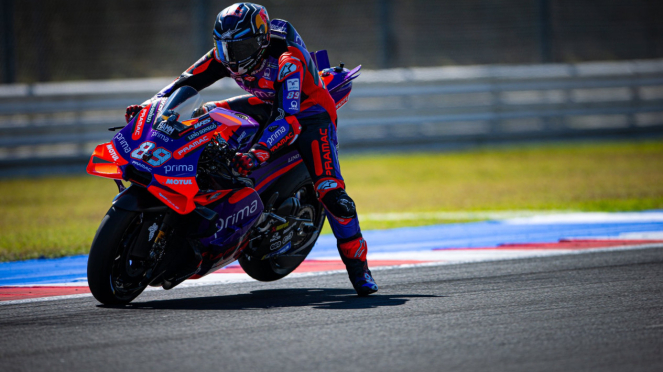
(284, 30)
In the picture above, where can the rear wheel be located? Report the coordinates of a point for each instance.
(277, 267)
(113, 276)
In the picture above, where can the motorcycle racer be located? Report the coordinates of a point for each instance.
(288, 98)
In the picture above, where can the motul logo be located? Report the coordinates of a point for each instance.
(112, 153)
(174, 181)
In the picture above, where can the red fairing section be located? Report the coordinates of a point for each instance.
(109, 153)
(355, 249)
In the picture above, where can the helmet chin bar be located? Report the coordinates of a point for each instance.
(246, 66)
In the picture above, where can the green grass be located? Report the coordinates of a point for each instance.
(58, 216)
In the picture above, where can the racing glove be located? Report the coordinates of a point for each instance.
(246, 162)
(204, 109)
(132, 111)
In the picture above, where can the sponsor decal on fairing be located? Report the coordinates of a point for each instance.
(178, 181)
(169, 202)
(202, 122)
(342, 102)
(191, 146)
(112, 152)
(199, 133)
(142, 166)
(182, 168)
(238, 216)
(138, 127)
(241, 116)
(123, 143)
(161, 136)
(165, 128)
(150, 116)
(241, 137)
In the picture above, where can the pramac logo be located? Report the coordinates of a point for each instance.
(189, 147)
(140, 123)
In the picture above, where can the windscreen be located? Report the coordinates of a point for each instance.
(183, 101)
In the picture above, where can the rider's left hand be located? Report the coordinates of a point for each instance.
(204, 109)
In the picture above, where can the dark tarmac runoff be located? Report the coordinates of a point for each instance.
(600, 311)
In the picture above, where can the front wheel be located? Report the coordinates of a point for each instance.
(113, 276)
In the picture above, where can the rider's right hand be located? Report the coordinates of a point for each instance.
(132, 111)
(244, 163)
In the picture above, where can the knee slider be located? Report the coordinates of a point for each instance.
(339, 203)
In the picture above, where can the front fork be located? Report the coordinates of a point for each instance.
(158, 249)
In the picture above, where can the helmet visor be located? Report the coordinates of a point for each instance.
(238, 50)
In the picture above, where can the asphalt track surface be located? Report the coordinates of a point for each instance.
(598, 311)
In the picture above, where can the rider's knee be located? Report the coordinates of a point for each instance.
(339, 204)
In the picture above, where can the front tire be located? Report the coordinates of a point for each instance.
(113, 277)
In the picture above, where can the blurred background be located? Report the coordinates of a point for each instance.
(60, 40)
(478, 105)
(438, 74)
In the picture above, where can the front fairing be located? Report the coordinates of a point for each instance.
(167, 163)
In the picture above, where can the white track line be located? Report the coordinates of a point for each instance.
(218, 279)
(524, 217)
(480, 215)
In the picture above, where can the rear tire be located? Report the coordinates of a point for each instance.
(280, 266)
(114, 279)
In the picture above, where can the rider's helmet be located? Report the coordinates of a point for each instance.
(241, 36)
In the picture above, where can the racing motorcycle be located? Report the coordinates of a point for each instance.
(186, 212)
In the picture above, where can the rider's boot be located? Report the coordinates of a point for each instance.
(353, 254)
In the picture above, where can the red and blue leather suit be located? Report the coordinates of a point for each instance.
(289, 99)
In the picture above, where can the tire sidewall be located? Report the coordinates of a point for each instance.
(104, 250)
